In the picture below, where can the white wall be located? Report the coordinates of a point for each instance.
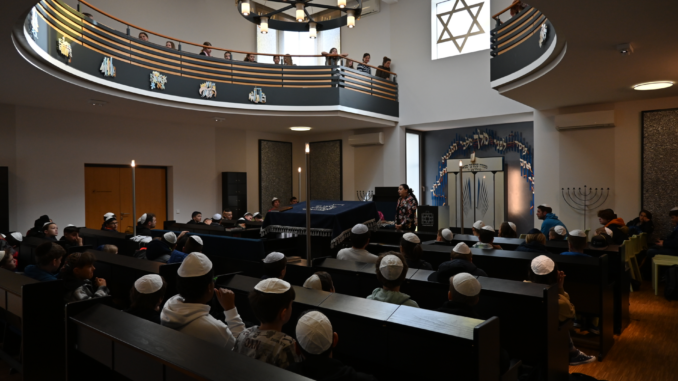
(372, 34)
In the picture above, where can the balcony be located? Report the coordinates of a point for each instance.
(74, 44)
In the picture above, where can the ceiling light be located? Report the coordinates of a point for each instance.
(341, 3)
(350, 18)
(653, 85)
(218, 119)
(245, 8)
(312, 30)
(300, 128)
(625, 49)
(95, 102)
(263, 25)
(300, 12)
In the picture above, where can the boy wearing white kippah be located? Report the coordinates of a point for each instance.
(360, 238)
(576, 243)
(321, 280)
(444, 237)
(461, 261)
(147, 295)
(558, 233)
(463, 295)
(315, 341)
(271, 302)
(391, 272)
(544, 271)
(486, 238)
(275, 266)
(189, 310)
(476, 227)
(191, 244)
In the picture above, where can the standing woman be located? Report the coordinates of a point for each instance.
(406, 209)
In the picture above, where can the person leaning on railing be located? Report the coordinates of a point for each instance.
(249, 58)
(385, 68)
(227, 55)
(143, 36)
(276, 60)
(288, 60)
(363, 66)
(333, 61)
(206, 51)
(170, 44)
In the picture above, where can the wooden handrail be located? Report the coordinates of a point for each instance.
(221, 49)
(506, 9)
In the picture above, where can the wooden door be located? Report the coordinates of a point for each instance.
(109, 189)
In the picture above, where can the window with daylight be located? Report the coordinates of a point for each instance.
(283, 42)
(413, 165)
(459, 27)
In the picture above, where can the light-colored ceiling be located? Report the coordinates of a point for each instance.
(592, 70)
(25, 84)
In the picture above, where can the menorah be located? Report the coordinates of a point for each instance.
(365, 195)
(587, 200)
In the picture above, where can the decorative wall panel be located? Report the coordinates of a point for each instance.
(659, 147)
(275, 173)
(326, 170)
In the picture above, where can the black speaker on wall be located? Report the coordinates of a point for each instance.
(234, 192)
(4, 199)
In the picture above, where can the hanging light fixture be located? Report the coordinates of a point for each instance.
(300, 12)
(263, 25)
(245, 7)
(312, 30)
(341, 3)
(350, 18)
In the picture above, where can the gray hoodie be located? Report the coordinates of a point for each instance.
(195, 320)
(392, 297)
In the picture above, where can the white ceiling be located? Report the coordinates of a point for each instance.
(592, 70)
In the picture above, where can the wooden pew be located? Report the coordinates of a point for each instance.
(120, 273)
(392, 236)
(34, 309)
(375, 333)
(96, 238)
(120, 345)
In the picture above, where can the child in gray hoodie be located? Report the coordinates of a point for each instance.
(391, 271)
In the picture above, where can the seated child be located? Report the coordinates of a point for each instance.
(271, 302)
(275, 266)
(112, 249)
(193, 245)
(147, 296)
(444, 237)
(576, 243)
(507, 229)
(486, 238)
(461, 261)
(320, 281)
(558, 233)
(189, 310)
(315, 342)
(360, 238)
(535, 242)
(410, 248)
(476, 227)
(463, 295)
(162, 250)
(77, 274)
(48, 257)
(544, 271)
(391, 272)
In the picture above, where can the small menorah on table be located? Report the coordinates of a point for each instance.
(365, 195)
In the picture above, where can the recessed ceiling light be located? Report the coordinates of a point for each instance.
(95, 102)
(653, 85)
(300, 128)
(218, 119)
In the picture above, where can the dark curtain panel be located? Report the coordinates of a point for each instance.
(275, 173)
(326, 170)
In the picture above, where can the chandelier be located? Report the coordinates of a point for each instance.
(300, 16)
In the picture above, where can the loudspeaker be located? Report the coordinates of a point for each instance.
(4, 199)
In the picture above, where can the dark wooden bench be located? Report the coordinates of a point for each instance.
(96, 238)
(377, 336)
(119, 345)
(392, 236)
(31, 312)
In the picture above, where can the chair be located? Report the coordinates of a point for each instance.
(661, 260)
(636, 248)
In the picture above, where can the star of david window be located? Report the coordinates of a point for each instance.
(459, 27)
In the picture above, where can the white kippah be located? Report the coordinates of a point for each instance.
(272, 286)
(313, 282)
(69, 225)
(545, 205)
(194, 265)
(466, 284)
(577, 233)
(447, 234)
(513, 226)
(488, 227)
(462, 248)
(411, 237)
(170, 237)
(359, 229)
(47, 223)
(478, 225)
(674, 208)
(242, 219)
(542, 265)
(391, 267)
(108, 215)
(257, 214)
(274, 199)
(197, 239)
(560, 230)
(148, 284)
(142, 219)
(314, 333)
(247, 214)
(17, 236)
(274, 257)
(608, 232)
(216, 216)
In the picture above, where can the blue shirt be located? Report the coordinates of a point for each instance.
(551, 221)
(177, 257)
(33, 271)
(575, 254)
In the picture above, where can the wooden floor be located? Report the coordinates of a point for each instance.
(648, 348)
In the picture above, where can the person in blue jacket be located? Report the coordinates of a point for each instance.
(544, 212)
(668, 246)
(48, 257)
